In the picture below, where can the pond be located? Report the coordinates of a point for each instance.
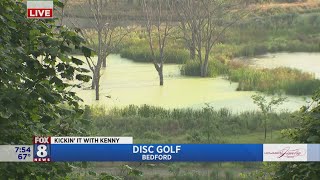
(125, 82)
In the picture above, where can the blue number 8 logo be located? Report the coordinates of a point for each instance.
(42, 151)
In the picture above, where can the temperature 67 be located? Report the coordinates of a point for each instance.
(23, 156)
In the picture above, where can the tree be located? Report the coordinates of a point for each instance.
(158, 19)
(61, 10)
(104, 38)
(267, 107)
(34, 96)
(204, 22)
(187, 25)
(306, 132)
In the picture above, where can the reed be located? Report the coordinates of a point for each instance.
(140, 52)
(215, 68)
(150, 123)
(279, 80)
(273, 81)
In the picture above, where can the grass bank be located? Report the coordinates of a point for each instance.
(149, 124)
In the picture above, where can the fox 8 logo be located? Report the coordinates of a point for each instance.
(41, 149)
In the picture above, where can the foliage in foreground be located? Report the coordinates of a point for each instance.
(34, 98)
(307, 132)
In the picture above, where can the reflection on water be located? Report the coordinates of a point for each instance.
(128, 83)
(308, 62)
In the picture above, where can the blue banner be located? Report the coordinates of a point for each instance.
(157, 152)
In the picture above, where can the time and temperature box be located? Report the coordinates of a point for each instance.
(16, 153)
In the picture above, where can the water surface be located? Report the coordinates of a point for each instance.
(128, 82)
(308, 62)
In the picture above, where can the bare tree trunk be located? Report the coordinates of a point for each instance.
(98, 66)
(204, 23)
(97, 91)
(153, 13)
(203, 71)
(192, 52)
(106, 30)
(93, 77)
(104, 63)
(204, 66)
(192, 47)
(97, 84)
(93, 82)
(160, 72)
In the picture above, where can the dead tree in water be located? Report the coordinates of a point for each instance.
(158, 16)
(104, 36)
(204, 23)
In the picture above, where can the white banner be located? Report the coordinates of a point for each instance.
(40, 4)
(285, 152)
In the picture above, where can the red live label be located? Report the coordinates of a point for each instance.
(39, 13)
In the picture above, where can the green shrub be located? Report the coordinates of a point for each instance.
(176, 56)
(252, 50)
(152, 135)
(190, 176)
(191, 68)
(229, 175)
(279, 80)
(214, 175)
(302, 87)
(215, 68)
(140, 52)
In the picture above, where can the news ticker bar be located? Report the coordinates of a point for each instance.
(165, 152)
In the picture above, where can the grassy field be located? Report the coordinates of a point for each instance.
(148, 124)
